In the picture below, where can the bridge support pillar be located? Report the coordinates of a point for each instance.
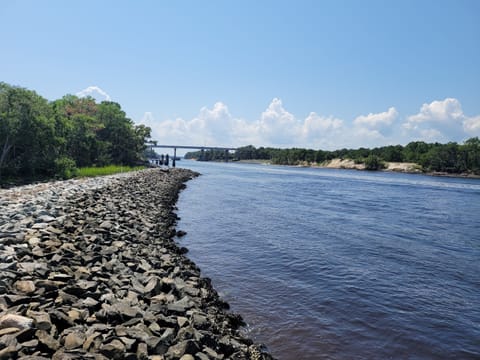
(226, 155)
(174, 156)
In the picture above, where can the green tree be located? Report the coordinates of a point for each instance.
(27, 133)
(373, 162)
(471, 154)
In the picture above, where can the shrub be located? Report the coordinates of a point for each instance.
(65, 167)
(373, 162)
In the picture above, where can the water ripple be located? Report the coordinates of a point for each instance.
(330, 264)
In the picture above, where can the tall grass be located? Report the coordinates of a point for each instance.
(105, 170)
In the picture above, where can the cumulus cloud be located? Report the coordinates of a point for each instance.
(211, 127)
(472, 126)
(375, 120)
(277, 127)
(438, 111)
(442, 120)
(94, 91)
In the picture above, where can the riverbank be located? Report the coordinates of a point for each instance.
(348, 164)
(90, 269)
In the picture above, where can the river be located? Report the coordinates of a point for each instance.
(340, 264)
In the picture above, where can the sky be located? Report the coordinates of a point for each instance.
(314, 74)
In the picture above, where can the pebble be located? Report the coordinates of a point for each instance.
(90, 269)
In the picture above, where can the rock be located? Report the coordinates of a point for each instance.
(30, 344)
(185, 347)
(89, 303)
(142, 351)
(39, 226)
(201, 356)
(113, 350)
(74, 340)
(45, 219)
(126, 310)
(9, 330)
(92, 271)
(182, 321)
(107, 225)
(180, 306)
(15, 321)
(168, 335)
(137, 333)
(128, 342)
(34, 241)
(32, 267)
(47, 340)
(187, 357)
(89, 343)
(200, 321)
(9, 352)
(41, 319)
(212, 354)
(155, 345)
(153, 287)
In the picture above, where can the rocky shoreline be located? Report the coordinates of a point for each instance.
(90, 270)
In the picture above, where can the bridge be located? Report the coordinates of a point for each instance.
(226, 150)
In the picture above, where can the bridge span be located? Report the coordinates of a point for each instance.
(202, 148)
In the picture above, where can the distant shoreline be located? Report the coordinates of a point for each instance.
(347, 164)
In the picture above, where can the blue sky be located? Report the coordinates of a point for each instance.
(318, 74)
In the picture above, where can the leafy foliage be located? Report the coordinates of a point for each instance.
(448, 158)
(51, 139)
(373, 162)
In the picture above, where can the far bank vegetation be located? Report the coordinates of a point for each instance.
(450, 158)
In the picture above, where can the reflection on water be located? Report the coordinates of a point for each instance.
(338, 264)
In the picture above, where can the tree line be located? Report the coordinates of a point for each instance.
(45, 139)
(451, 158)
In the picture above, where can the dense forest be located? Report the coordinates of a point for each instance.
(43, 139)
(450, 158)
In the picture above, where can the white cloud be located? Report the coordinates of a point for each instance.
(321, 131)
(277, 127)
(94, 91)
(442, 120)
(446, 110)
(472, 126)
(211, 127)
(376, 120)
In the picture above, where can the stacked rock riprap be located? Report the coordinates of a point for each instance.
(89, 269)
